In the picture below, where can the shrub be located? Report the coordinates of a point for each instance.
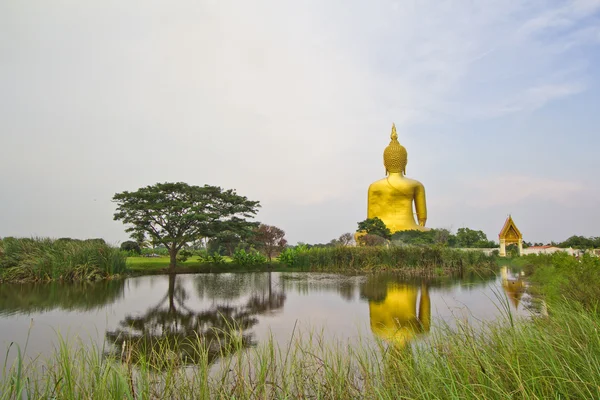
(248, 258)
(564, 277)
(183, 255)
(214, 258)
(48, 259)
(131, 247)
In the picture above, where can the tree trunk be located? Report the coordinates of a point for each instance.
(173, 254)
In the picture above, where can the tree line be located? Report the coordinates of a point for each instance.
(375, 232)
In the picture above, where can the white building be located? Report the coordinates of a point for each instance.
(550, 250)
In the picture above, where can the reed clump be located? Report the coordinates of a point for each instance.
(45, 259)
(556, 357)
(561, 277)
(414, 260)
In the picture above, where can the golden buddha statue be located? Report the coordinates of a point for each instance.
(395, 318)
(391, 198)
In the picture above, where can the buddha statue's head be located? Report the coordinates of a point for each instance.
(395, 156)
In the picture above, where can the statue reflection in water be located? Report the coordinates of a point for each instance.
(394, 313)
(189, 336)
(514, 287)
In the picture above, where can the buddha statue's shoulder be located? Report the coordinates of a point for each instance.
(413, 182)
(402, 182)
(379, 183)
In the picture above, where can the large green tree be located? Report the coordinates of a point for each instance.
(375, 226)
(174, 214)
(466, 237)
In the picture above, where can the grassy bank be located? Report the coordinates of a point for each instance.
(559, 277)
(412, 260)
(556, 357)
(43, 259)
(428, 260)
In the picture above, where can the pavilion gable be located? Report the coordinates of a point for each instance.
(510, 232)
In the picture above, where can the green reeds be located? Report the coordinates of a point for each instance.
(412, 259)
(560, 277)
(43, 259)
(556, 357)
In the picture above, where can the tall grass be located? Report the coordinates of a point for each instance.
(556, 357)
(411, 259)
(560, 277)
(44, 259)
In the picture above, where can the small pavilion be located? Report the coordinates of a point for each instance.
(508, 235)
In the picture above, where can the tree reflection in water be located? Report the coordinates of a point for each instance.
(189, 336)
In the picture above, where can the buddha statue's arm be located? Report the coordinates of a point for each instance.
(425, 308)
(421, 204)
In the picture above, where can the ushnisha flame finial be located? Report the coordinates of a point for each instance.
(394, 135)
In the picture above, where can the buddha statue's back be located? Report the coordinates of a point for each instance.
(391, 198)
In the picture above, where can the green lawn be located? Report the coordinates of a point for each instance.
(152, 263)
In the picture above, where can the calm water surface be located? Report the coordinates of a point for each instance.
(261, 304)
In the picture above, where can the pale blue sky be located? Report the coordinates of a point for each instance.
(291, 103)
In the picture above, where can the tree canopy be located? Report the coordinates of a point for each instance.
(581, 242)
(375, 226)
(466, 237)
(174, 214)
(269, 239)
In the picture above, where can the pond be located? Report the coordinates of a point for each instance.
(260, 305)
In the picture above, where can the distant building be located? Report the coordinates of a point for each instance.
(550, 250)
(593, 252)
(508, 235)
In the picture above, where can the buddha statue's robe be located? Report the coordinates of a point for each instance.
(391, 199)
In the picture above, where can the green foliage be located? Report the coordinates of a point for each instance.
(375, 226)
(581, 242)
(214, 258)
(469, 238)
(372, 240)
(131, 247)
(24, 259)
(290, 255)
(411, 259)
(248, 258)
(465, 238)
(415, 237)
(183, 255)
(175, 214)
(225, 243)
(560, 276)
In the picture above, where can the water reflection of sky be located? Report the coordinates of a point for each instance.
(334, 305)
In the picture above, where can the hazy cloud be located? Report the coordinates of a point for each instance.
(508, 190)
